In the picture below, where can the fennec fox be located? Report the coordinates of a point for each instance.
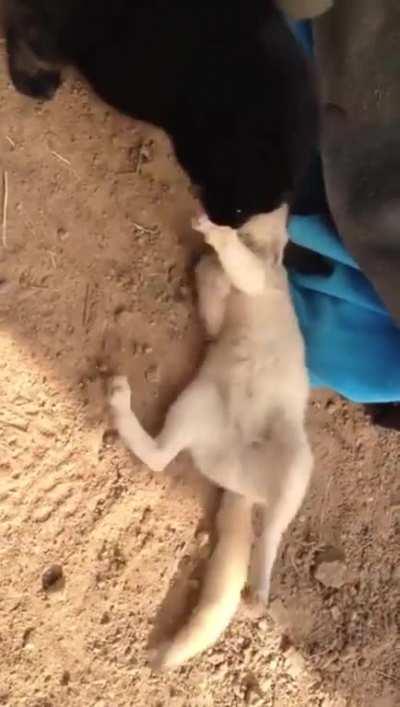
(242, 417)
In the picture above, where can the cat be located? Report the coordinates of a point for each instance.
(241, 418)
(227, 81)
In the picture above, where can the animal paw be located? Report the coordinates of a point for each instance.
(202, 224)
(120, 396)
(216, 236)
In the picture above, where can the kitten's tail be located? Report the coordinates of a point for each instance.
(224, 581)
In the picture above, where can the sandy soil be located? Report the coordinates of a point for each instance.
(95, 277)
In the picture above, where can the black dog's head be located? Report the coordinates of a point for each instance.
(33, 57)
(236, 176)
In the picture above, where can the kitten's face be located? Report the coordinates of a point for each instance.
(234, 182)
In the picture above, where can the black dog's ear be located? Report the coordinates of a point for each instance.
(305, 261)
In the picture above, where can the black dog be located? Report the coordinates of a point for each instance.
(225, 79)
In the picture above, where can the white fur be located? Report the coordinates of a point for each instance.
(242, 417)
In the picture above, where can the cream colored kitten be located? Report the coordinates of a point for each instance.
(242, 417)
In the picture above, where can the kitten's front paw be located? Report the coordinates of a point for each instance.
(120, 396)
(202, 224)
(218, 237)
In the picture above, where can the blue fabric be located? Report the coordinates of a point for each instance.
(352, 344)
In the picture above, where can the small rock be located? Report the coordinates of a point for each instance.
(203, 538)
(65, 677)
(29, 646)
(278, 611)
(266, 683)
(285, 643)
(273, 663)
(62, 234)
(221, 670)
(294, 663)
(331, 574)
(26, 635)
(263, 625)
(147, 151)
(251, 696)
(335, 613)
(102, 367)
(217, 658)
(331, 406)
(4, 696)
(109, 437)
(52, 575)
(105, 619)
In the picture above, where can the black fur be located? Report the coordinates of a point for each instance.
(225, 79)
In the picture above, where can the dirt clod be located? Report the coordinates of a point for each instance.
(294, 663)
(51, 576)
(331, 574)
(65, 677)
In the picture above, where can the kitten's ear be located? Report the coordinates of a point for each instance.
(277, 238)
(269, 233)
(279, 217)
(276, 249)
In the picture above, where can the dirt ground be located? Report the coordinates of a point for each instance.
(95, 277)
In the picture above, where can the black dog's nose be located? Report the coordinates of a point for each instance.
(41, 85)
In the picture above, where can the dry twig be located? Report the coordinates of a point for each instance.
(85, 305)
(60, 157)
(5, 207)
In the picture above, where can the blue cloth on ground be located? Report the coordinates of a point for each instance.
(352, 344)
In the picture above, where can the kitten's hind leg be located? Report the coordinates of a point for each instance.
(244, 268)
(276, 518)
